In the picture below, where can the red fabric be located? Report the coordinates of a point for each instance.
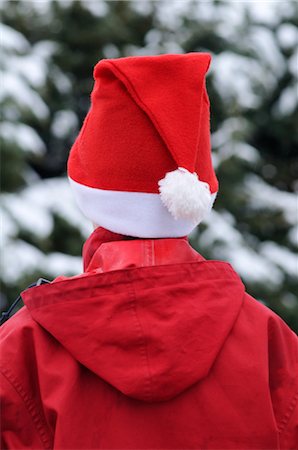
(159, 351)
(149, 115)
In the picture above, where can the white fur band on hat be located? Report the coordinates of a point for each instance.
(136, 214)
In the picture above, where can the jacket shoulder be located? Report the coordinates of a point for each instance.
(23, 425)
(18, 335)
(16, 324)
(20, 341)
(23, 342)
(281, 346)
(281, 341)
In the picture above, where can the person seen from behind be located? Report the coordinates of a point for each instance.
(152, 346)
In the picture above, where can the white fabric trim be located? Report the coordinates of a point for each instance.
(136, 214)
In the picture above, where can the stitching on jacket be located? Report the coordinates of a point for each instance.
(133, 273)
(29, 405)
(143, 347)
(287, 417)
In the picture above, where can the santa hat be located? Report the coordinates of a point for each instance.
(141, 164)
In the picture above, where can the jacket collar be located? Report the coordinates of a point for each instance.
(105, 251)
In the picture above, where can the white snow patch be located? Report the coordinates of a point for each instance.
(32, 68)
(293, 64)
(28, 215)
(41, 6)
(240, 150)
(220, 228)
(62, 82)
(153, 37)
(206, 11)
(57, 264)
(246, 152)
(261, 195)
(55, 195)
(230, 13)
(33, 208)
(228, 131)
(64, 122)
(226, 141)
(263, 11)
(141, 7)
(110, 51)
(16, 88)
(8, 228)
(230, 245)
(287, 35)
(293, 236)
(19, 258)
(253, 267)
(96, 7)
(30, 176)
(25, 137)
(288, 101)
(172, 47)
(263, 42)
(12, 40)
(235, 76)
(169, 13)
(65, 3)
(45, 49)
(289, 300)
(281, 256)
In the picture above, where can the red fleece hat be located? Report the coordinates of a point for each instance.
(147, 132)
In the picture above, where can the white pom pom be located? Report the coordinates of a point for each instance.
(185, 196)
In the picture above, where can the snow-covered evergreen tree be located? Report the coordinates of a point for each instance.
(32, 210)
(50, 48)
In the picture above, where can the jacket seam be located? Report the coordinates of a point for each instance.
(226, 268)
(142, 341)
(30, 407)
(287, 417)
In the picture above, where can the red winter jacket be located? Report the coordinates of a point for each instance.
(153, 347)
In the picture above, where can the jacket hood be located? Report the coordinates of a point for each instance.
(150, 328)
